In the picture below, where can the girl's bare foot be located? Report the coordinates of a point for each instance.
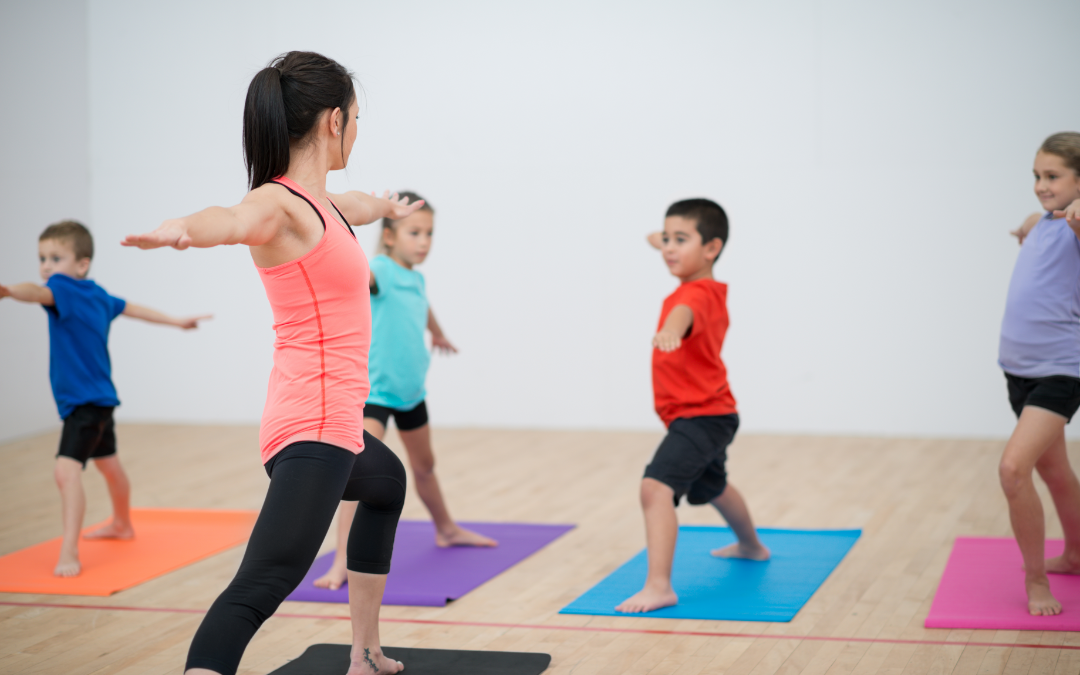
(459, 536)
(648, 599)
(334, 577)
(371, 661)
(1040, 601)
(1066, 563)
(113, 530)
(68, 565)
(758, 552)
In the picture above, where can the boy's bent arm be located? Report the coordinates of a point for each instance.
(154, 316)
(675, 328)
(29, 292)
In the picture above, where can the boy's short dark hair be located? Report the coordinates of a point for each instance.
(709, 216)
(74, 233)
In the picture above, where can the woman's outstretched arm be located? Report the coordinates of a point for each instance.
(254, 221)
(362, 209)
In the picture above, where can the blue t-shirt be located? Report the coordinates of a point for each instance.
(399, 358)
(1040, 334)
(79, 365)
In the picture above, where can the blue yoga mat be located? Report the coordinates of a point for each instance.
(725, 589)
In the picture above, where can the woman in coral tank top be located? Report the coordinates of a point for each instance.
(296, 130)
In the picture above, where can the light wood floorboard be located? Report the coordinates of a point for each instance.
(911, 497)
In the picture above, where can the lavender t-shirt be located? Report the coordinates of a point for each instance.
(1040, 334)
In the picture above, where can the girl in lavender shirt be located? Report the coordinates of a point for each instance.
(1040, 354)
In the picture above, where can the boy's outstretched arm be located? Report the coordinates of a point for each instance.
(154, 316)
(675, 328)
(438, 340)
(1071, 213)
(361, 209)
(28, 292)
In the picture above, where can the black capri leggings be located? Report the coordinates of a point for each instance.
(307, 481)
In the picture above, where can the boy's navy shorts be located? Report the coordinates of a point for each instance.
(88, 434)
(1058, 393)
(690, 459)
(406, 420)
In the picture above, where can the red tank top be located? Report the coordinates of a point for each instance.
(322, 320)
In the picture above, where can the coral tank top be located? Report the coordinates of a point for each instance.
(322, 322)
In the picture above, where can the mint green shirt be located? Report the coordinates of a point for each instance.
(399, 358)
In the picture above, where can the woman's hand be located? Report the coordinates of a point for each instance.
(399, 206)
(170, 233)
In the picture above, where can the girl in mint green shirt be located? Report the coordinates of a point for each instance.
(397, 367)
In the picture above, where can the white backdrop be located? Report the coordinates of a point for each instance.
(871, 159)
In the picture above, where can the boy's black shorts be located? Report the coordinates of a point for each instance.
(690, 459)
(1057, 393)
(406, 420)
(88, 434)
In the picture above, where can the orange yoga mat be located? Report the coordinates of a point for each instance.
(165, 540)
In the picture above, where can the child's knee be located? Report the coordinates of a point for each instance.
(66, 471)
(422, 465)
(655, 492)
(1012, 476)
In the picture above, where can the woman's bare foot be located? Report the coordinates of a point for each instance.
(1066, 563)
(371, 661)
(462, 537)
(113, 530)
(68, 565)
(758, 552)
(648, 599)
(334, 578)
(1040, 601)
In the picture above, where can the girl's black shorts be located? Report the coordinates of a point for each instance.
(406, 420)
(1058, 393)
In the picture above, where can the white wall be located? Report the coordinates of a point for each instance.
(871, 158)
(44, 177)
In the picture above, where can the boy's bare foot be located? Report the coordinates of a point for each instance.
(648, 600)
(113, 530)
(759, 553)
(68, 565)
(371, 661)
(462, 537)
(1040, 601)
(1063, 564)
(334, 577)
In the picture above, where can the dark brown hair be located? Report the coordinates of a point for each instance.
(1066, 145)
(74, 233)
(284, 101)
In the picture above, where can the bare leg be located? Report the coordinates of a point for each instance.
(68, 474)
(661, 532)
(732, 507)
(1036, 432)
(1055, 470)
(365, 596)
(422, 461)
(335, 576)
(120, 494)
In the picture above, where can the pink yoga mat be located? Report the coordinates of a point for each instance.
(983, 587)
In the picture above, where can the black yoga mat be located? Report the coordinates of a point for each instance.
(334, 660)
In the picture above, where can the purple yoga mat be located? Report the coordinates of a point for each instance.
(424, 574)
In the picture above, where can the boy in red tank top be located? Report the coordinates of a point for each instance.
(693, 399)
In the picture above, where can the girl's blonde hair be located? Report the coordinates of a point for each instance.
(1066, 145)
(387, 224)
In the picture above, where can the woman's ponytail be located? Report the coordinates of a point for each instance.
(284, 102)
(266, 129)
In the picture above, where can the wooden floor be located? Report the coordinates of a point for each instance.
(911, 497)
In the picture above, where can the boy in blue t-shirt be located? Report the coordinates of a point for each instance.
(80, 313)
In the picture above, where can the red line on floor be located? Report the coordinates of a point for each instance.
(591, 629)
